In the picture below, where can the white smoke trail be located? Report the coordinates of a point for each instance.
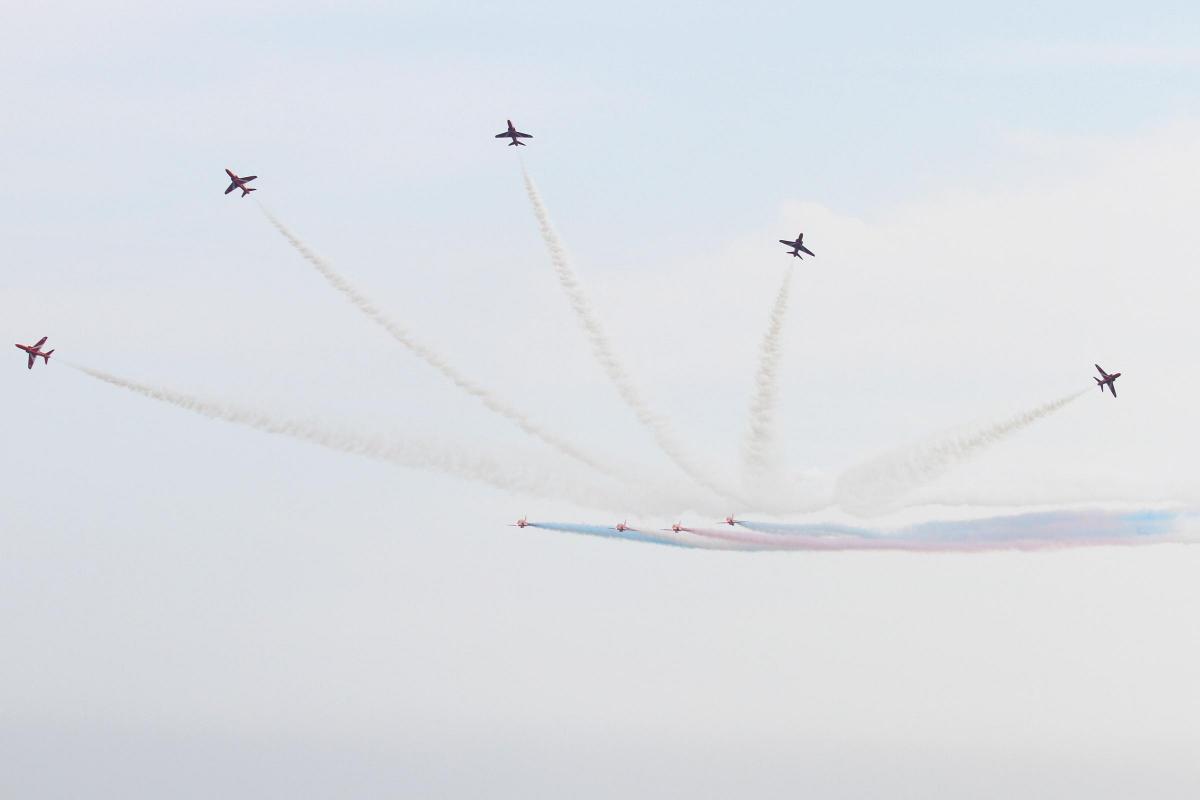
(417, 454)
(1027, 532)
(605, 355)
(877, 485)
(760, 457)
(434, 359)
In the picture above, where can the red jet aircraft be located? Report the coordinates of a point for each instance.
(513, 133)
(730, 521)
(622, 527)
(239, 183)
(676, 527)
(1109, 380)
(798, 247)
(521, 523)
(35, 350)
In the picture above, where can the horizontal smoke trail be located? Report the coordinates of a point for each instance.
(875, 486)
(805, 528)
(629, 534)
(434, 359)
(602, 349)
(1034, 531)
(760, 456)
(406, 453)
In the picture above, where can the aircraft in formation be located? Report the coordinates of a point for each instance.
(798, 247)
(35, 350)
(514, 134)
(239, 183)
(1109, 380)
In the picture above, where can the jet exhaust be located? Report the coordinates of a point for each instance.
(602, 349)
(412, 453)
(760, 456)
(1053, 530)
(610, 532)
(877, 485)
(434, 359)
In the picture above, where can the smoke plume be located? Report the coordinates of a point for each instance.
(877, 485)
(760, 453)
(1050, 530)
(434, 359)
(603, 351)
(459, 461)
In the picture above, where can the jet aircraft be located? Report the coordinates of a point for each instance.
(521, 523)
(730, 521)
(239, 183)
(798, 247)
(1109, 380)
(676, 527)
(514, 134)
(35, 350)
(622, 527)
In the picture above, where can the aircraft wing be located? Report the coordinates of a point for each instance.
(32, 358)
(41, 342)
(806, 250)
(1113, 387)
(501, 135)
(249, 178)
(785, 241)
(523, 135)
(1101, 369)
(232, 186)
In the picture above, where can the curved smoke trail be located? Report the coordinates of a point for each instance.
(434, 359)
(603, 351)
(406, 453)
(875, 486)
(760, 457)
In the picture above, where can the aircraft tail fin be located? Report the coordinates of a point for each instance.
(47, 355)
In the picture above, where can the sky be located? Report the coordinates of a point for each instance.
(998, 197)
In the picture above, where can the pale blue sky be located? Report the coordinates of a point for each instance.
(998, 197)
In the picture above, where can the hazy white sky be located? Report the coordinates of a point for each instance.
(998, 198)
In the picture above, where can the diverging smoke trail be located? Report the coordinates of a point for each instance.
(877, 485)
(602, 349)
(418, 454)
(432, 358)
(760, 457)
(1052, 530)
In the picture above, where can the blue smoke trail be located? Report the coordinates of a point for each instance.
(628, 534)
(1041, 530)
(1058, 527)
(807, 528)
